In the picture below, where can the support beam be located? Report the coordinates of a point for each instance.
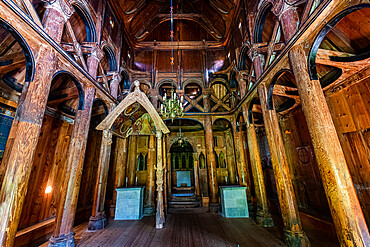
(263, 215)
(343, 202)
(63, 233)
(294, 235)
(159, 219)
(149, 204)
(98, 220)
(131, 163)
(121, 163)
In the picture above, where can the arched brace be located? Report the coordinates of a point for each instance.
(322, 34)
(260, 21)
(270, 92)
(125, 79)
(223, 119)
(242, 57)
(164, 81)
(109, 53)
(81, 94)
(220, 81)
(99, 102)
(30, 61)
(250, 108)
(189, 81)
(142, 81)
(168, 120)
(85, 15)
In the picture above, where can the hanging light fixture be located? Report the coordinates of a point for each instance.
(172, 107)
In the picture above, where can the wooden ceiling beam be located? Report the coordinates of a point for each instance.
(182, 45)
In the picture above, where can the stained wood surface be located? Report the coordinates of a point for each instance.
(194, 229)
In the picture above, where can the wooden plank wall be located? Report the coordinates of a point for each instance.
(48, 170)
(350, 109)
(306, 178)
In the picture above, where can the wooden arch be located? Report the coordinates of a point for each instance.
(142, 99)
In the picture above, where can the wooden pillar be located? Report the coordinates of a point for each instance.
(263, 215)
(343, 202)
(159, 219)
(98, 220)
(131, 164)
(294, 235)
(63, 234)
(154, 97)
(211, 162)
(93, 60)
(257, 61)
(114, 84)
(25, 131)
(120, 179)
(230, 157)
(149, 206)
(288, 17)
(196, 175)
(165, 190)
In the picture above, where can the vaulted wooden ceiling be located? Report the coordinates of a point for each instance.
(141, 17)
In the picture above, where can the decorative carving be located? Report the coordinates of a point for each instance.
(107, 137)
(280, 7)
(62, 6)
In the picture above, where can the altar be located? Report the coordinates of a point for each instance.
(183, 178)
(129, 204)
(234, 201)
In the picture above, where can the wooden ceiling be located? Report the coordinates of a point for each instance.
(142, 17)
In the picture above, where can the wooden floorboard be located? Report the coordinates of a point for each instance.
(181, 229)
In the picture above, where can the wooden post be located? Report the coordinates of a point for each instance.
(263, 215)
(343, 202)
(294, 235)
(164, 157)
(25, 131)
(159, 219)
(214, 205)
(114, 84)
(196, 175)
(63, 234)
(98, 220)
(131, 164)
(120, 178)
(93, 60)
(149, 206)
(230, 156)
(257, 61)
(288, 17)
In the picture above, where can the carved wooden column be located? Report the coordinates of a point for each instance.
(98, 220)
(149, 205)
(211, 162)
(294, 235)
(242, 84)
(343, 202)
(121, 161)
(263, 215)
(114, 84)
(230, 156)
(25, 131)
(288, 17)
(165, 191)
(257, 60)
(131, 164)
(159, 219)
(63, 234)
(93, 60)
(196, 175)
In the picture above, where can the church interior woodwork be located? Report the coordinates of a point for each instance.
(274, 98)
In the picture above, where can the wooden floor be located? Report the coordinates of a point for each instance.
(190, 229)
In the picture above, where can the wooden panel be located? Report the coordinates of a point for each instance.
(143, 60)
(48, 169)
(192, 61)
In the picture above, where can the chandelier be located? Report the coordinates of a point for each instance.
(172, 107)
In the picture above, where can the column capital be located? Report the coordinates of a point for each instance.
(253, 52)
(97, 52)
(158, 134)
(62, 6)
(280, 7)
(107, 137)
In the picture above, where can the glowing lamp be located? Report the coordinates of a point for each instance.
(48, 190)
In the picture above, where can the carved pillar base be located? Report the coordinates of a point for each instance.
(97, 222)
(296, 239)
(149, 210)
(264, 219)
(62, 241)
(214, 208)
